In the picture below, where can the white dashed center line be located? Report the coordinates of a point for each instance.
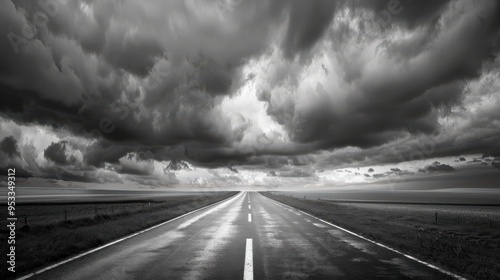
(249, 217)
(248, 272)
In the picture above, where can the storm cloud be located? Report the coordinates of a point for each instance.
(10, 157)
(127, 89)
(57, 153)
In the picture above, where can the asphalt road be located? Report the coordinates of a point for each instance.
(246, 237)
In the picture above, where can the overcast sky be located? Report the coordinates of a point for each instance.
(239, 92)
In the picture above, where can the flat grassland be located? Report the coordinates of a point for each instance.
(465, 239)
(49, 236)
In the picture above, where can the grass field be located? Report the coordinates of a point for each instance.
(43, 214)
(48, 237)
(465, 239)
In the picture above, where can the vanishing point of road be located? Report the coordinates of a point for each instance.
(247, 236)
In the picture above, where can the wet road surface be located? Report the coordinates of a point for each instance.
(247, 236)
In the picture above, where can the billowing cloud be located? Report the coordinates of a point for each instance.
(129, 164)
(126, 89)
(439, 167)
(10, 157)
(368, 106)
(9, 148)
(57, 152)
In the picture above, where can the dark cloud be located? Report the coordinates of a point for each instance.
(402, 98)
(10, 157)
(393, 173)
(9, 147)
(232, 169)
(91, 94)
(307, 24)
(493, 151)
(410, 13)
(135, 53)
(496, 164)
(176, 165)
(439, 167)
(130, 164)
(413, 149)
(334, 84)
(462, 159)
(400, 172)
(214, 78)
(57, 152)
(100, 152)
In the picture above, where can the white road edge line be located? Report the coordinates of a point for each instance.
(249, 217)
(119, 240)
(376, 243)
(248, 271)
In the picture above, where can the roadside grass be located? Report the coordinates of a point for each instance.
(460, 243)
(40, 245)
